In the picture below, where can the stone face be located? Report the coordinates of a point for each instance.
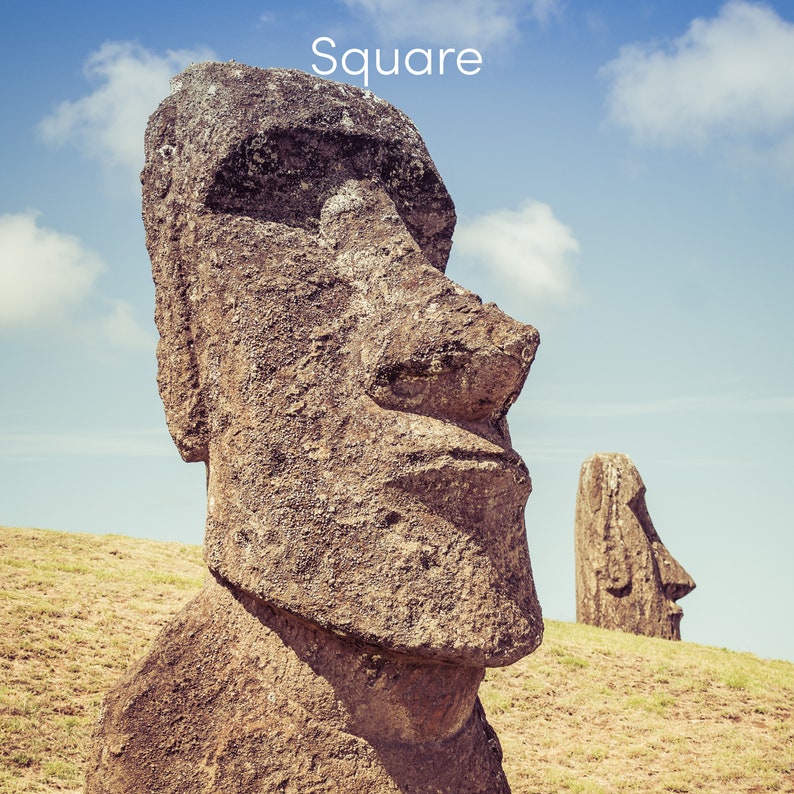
(365, 522)
(625, 577)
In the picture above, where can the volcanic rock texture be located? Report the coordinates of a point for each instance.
(625, 577)
(365, 531)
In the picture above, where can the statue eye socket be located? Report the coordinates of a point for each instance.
(286, 176)
(279, 177)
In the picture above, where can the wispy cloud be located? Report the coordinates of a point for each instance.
(91, 443)
(121, 329)
(474, 23)
(675, 405)
(43, 273)
(529, 249)
(46, 276)
(726, 81)
(108, 124)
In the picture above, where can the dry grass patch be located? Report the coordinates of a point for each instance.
(75, 610)
(591, 711)
(601, 711)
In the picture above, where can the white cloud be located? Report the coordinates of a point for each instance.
(42, 272)
(45, 275)
(473, 23)
(543, 10)
(94, 443)
(707, 405)
(120, 329)
(528, 249)
(727, 80)
(108, 124)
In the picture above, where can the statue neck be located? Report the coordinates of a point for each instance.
(380, 696)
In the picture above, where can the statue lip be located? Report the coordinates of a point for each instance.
(426, 439)
(485, 462)
(466, 457)
(507, 457)
(458, 480)
(483, 457)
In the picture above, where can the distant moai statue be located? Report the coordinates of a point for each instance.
(625, 577)
(365, 510)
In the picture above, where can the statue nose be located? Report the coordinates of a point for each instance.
(455, 359)
(436, 349)
(676, 582)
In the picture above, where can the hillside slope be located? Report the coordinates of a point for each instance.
(590, 711)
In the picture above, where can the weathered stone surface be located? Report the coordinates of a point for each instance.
(625, 577)
(238, 697)
(365, 508)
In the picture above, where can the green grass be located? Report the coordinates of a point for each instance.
(591, 711)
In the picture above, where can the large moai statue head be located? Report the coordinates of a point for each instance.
(348, 399)
(625, 577)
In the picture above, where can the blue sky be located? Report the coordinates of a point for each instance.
(624, 180)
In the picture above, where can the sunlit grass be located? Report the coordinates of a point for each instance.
(595, 710)
(592, 711)
(76, 610)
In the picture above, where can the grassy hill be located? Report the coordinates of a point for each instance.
(590, 711)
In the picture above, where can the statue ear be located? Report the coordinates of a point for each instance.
(180, 389)
(620, 477)
(178, 376)
(600, 486)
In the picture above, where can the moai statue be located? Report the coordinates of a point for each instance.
(625, 577)
(365, 532)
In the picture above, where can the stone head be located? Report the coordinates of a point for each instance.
(626, 577)
(348, 399)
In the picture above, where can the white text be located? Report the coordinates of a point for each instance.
(417, 61)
